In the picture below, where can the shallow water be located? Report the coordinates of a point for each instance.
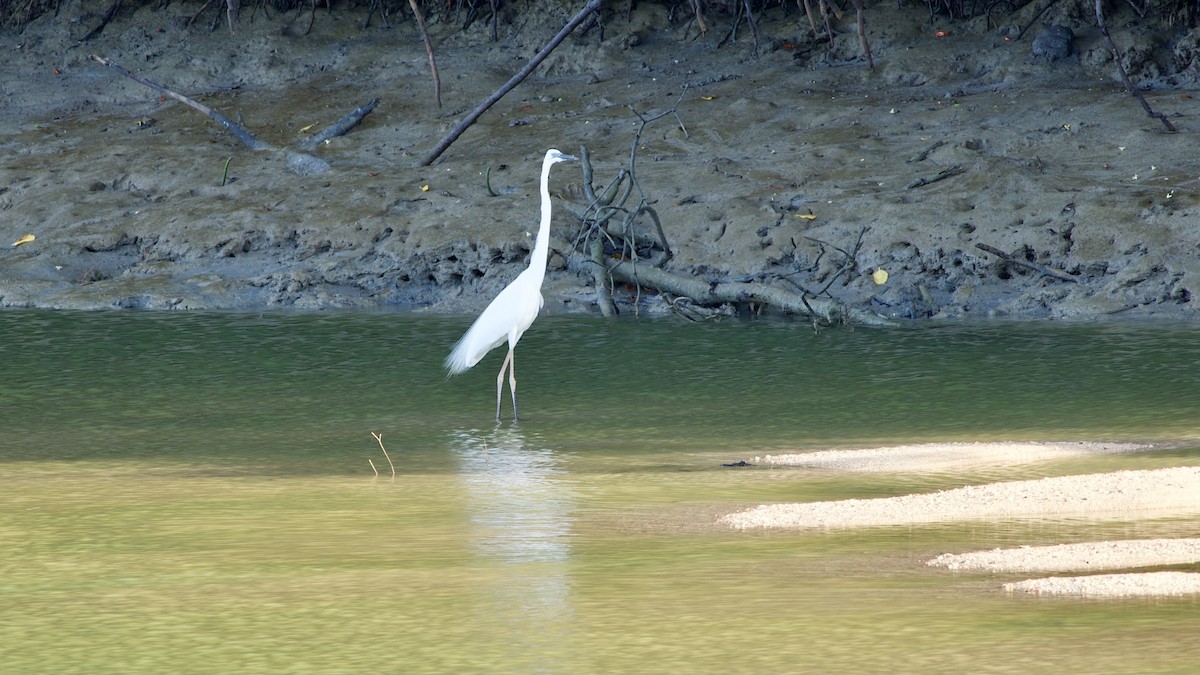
(191, 493)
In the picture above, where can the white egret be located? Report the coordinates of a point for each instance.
(514, 309)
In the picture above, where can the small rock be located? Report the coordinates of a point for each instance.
(1053, 43)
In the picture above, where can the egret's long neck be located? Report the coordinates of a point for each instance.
(541, 247)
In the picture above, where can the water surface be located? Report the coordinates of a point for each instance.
(191, 493)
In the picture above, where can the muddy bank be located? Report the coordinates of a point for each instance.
(799, 167)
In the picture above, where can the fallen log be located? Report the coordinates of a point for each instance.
(704, 292)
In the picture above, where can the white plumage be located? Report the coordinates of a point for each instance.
(512, 311)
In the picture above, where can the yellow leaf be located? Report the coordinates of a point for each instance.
(880, 276)
(424, 188)
(24, 240)
(708, 98)
(806, 216)
(307, 128)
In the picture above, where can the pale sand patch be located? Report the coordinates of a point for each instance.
(1121, 495)
(1096, 555)
(944, 456)
(1112, 585)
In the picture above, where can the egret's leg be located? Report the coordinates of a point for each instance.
(500, 382)
(512, 381)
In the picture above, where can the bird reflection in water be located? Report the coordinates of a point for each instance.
(519, 504)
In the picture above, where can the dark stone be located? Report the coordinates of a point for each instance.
(1053, 43)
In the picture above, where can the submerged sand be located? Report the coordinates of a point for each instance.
(1119, 495)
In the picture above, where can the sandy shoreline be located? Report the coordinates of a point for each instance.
(1120, 495)
(941, 456)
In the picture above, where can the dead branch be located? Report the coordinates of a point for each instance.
(340, 127)
(112, 11)
(941, 175)
(1040, 269)
(1112, 46)
(466, 122)
(437, 79)
(232, 127)
(301, 163)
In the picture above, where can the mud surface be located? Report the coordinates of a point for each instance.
(798, 166)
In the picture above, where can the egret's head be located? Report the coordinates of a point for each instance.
(554, 156)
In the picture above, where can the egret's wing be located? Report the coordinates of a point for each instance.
(511, 312)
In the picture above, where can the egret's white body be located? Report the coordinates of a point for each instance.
(514, 309)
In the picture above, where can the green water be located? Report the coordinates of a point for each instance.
(191, 493)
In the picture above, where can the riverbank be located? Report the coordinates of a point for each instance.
(798, 165)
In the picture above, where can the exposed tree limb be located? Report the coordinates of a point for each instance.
(466, 122)
(941, 175)
(716, 292)
(234, 128)
(1040, 269)
(340, 127)
(300, 163)
(437, 79)
(1112, 46)
(600, 279)
(112, 11)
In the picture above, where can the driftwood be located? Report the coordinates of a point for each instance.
(1040, 269)
(466, 122)
(301, 163)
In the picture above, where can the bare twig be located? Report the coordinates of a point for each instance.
(373, 466)
(437, 79)
(379, 438)
(466, 122)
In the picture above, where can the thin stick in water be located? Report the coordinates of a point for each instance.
(379, 438)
